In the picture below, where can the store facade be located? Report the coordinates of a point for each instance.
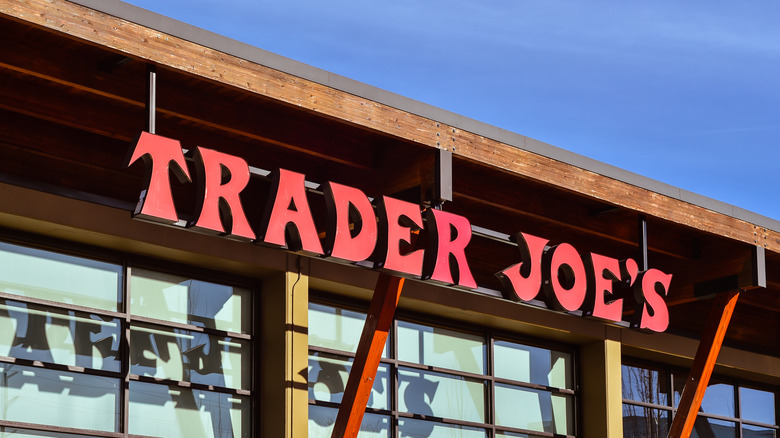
(191, 230)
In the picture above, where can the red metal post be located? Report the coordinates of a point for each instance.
(369, 351)
(703, 364)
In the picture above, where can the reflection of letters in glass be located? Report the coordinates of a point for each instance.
(71, 399)
(441, 377)
(183, 355)
(210, 357)
(58, 336)
(186, 301)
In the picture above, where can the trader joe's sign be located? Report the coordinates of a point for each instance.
(358, 230)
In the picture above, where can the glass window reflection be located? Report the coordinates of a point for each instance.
(750, 431)
(336, 328)
(176, 412)
(442, 377)
(757, 405)
(64, 337)
(719, 400)
(711, 428)
(188, 301)
(59, 278)
(413, 428)
(15, 432)
(191, 356)
(322, 419)
(645, 385)
(441, 347)
(441, 395)
(718, 414)
(645, 422)
(525, 363)
(531, 409)
(58, 398)
(328, 378)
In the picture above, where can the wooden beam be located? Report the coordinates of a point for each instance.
(703, 364)
(372, 342)
(723, 266)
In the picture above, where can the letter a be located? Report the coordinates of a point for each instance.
(288, 215)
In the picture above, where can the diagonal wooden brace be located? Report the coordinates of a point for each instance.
(369, 352)
(703, 364)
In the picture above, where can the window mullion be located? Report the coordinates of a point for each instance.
(394, 405)
(125, 353)
(490, 398)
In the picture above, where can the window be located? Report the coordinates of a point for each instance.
(437, 381)
(102, 349)
(730, 408)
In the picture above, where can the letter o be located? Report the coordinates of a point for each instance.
(564, 258)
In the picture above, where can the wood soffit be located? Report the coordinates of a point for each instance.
(144, 43)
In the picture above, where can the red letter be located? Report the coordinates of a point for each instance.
(397, 219)
(603, 271)
(345, 204)
(211, 191)
(289, 211)
(449, 234)
(565, 260)
(651, 311)
(156, 203)
(522, 281)
(629, 271)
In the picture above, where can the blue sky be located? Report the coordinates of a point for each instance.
(687, 93)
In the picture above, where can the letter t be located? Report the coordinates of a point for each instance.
(156, 202)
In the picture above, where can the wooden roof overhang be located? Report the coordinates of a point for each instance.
(72, 98)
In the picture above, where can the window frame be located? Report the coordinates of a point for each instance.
(127, 262)
(488, 336)
(673, 372)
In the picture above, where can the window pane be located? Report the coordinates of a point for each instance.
(321, 420)
(57, 398)
(426, 429)
(441, 395)
(188, 301)
(328, 377)
(645, 384)
(513, 435)
(530, 409)
(757, 405)
(58, 336)
(711, 428)
(532, 365)
(516, 435)
(173, 412)
(440, 347)
(185, 355)
(642, 422)
(56, 277)
(719, 400)
(338, 329)
(13, 432)
(749, 431)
